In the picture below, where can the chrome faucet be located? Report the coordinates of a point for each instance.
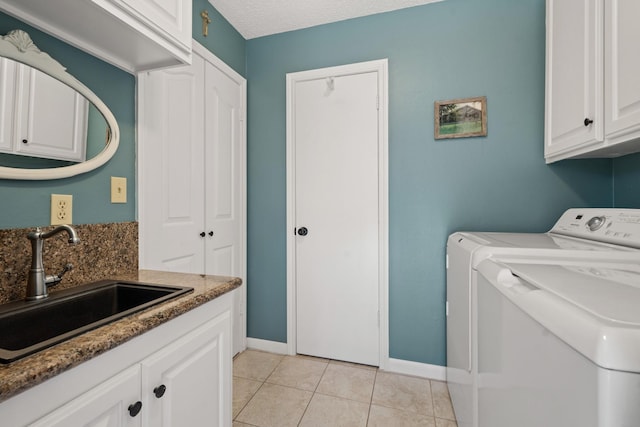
(38, 280)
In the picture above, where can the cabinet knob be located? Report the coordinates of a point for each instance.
(211, 233)
(587, 121)
(303, 231)
(134, 408)
(24, 141)
(159, 391)
(202, 234)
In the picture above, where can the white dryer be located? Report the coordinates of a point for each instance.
(585, 234)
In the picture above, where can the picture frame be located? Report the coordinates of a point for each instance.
(460, 118)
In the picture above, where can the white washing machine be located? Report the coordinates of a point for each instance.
(558, 344)
(580, 234)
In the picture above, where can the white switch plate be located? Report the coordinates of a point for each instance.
(61, 209)
(118, 189)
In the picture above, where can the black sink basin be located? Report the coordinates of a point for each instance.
(30, 326)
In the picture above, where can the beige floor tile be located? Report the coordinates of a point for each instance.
(298, 372)
(332, 411)
(379, 416)
(403, 392)
(243, 391)
(445, 423)
(275, 406)
(255, 365)
(239, 424)
(442, 407)
(354, 365)
(348, 382)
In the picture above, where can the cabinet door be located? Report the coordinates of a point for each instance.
(171, 169)
(51, 117)
(170, 18)
(622, 70)
(106, 405)
(224, 174)
(573, 76)
(7, 97)
(195, 373)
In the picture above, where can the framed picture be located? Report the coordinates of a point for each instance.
(461, 118)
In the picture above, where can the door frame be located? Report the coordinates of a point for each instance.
(381, 67)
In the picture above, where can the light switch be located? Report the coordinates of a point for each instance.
(118, 189)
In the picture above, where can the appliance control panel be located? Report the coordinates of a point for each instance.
(610, 225)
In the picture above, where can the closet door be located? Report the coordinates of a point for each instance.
(171, 169)
(224, 174)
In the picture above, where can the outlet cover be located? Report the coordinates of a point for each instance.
(61, 209)
(118, 189)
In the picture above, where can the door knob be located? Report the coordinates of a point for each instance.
(134, 409)
(302, 231)
(160, 390)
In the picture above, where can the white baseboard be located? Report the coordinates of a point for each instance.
(424, 370)
(270, 346)
(398, 366)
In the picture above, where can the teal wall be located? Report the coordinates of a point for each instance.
(453, 49)
(27, 203)
(223, 40)
(626, 173)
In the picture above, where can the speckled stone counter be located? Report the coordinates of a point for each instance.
(32, 370)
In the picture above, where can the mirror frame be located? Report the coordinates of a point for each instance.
(17, 45)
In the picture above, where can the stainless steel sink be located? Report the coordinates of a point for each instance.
(27, 327)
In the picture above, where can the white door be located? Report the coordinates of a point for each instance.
(172, 169)
(224, 174)
(337, 261)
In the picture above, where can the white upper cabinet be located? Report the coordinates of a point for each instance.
(592, 90)
(134, 35)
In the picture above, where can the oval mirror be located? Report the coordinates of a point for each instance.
(51, 125)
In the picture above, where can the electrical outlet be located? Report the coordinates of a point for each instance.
(118, 189)
(61, 209)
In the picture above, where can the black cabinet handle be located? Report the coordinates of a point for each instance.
(302, 231)
(587, 121)
(24, 141)
(159, 391)
(202, 234)
(211, 233)
(134, 408)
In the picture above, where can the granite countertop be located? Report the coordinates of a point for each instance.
(32, 370)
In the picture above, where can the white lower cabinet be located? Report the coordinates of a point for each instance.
(178, 374)
(106, 405)
(184, 384)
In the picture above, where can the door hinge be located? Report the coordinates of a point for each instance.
(446, 308)
(377, 102)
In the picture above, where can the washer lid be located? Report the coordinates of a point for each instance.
(593, 307)
(608, 291)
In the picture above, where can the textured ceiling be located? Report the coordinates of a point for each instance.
(257, 18)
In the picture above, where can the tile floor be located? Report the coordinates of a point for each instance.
(271, 390)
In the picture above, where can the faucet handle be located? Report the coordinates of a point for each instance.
(57, 278)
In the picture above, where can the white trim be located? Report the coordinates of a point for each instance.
(381, 67)
(416, 369)
(269, 346)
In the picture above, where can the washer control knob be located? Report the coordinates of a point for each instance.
(596, 222)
